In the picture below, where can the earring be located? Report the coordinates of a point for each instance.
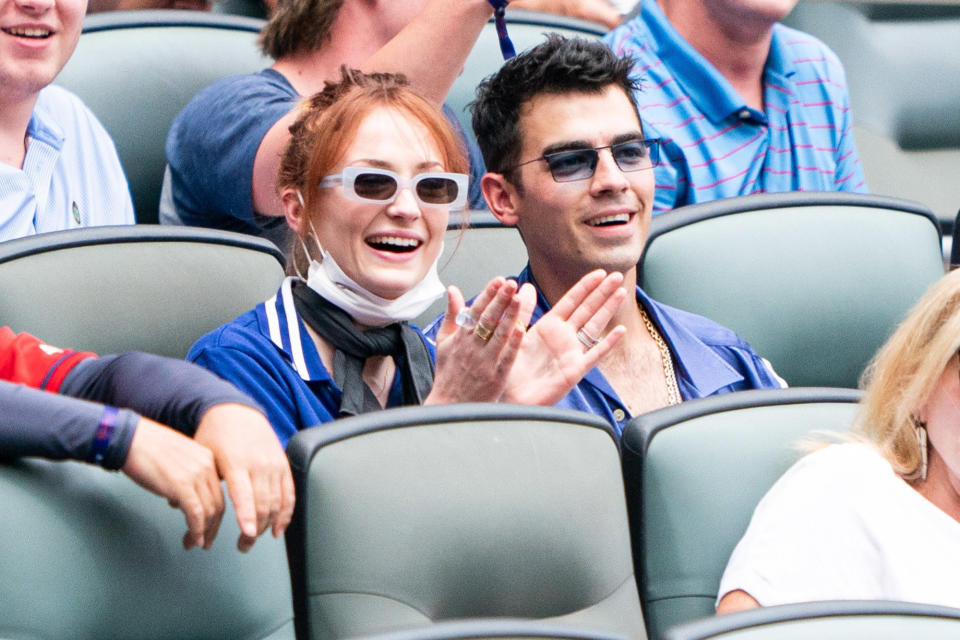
(920, 429)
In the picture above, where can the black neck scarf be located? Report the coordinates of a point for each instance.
(354, 346)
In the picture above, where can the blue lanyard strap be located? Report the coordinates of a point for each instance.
(499, 13)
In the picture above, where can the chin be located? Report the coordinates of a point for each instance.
(391, 289)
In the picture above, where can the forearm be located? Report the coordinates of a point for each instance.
(432, 49)
(168, 391)
(38, 423)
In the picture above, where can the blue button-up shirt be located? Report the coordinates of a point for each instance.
(715, 146)
(708, 359)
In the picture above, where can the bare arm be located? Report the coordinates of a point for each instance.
(734, 601)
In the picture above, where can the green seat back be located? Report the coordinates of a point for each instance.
(87, 554)
(694, 474)
(814, 282)
(137, 69)
(138, 287)
(831, 620)
(415, 515)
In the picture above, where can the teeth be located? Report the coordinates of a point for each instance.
(620, 217)
(396, 241)
(28, 32)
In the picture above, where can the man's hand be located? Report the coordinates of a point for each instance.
(249, 457)
(172, 465)
(552, 357)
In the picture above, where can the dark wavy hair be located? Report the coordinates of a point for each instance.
(559, 65)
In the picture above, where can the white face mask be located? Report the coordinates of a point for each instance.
(327, 278)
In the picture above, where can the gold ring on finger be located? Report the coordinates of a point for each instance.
(483, 332)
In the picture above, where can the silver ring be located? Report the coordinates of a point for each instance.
(586, 339)
(465, 319)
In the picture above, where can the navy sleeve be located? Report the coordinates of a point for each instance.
(172, 392)
(39, 423)
(211, 149)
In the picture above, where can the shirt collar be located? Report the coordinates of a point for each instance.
(280, 323)
(700, 371)
(696, 363)
(44, 128)
(706, 87)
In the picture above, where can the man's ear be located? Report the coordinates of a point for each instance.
(293, 209)
(501, 196)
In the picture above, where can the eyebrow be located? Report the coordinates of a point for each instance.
(382, 164)
(578, 145)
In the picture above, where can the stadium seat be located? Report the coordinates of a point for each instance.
(138, 287)
(526, 29)
(694, 473)
(815, 282)
(416, 515)
(471, 258)
(901, 66)
(837, 620)
(137, 69)
(482, 629)
(87, 554)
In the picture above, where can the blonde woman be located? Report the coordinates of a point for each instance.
(876, 516)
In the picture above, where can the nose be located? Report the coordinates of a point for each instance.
(608, 178)
(405, 206)
(34, 7)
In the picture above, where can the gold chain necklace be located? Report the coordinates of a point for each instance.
(670, 377)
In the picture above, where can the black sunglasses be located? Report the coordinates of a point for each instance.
(580, 164)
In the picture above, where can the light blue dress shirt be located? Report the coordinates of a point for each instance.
(71, 175)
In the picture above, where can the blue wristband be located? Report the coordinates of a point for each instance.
(499, 19)
(108, 422)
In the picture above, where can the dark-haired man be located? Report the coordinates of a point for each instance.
(570, 167)
(743, 103)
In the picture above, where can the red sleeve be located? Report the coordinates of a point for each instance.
(26, 360)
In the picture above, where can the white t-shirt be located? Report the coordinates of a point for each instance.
(841, 525)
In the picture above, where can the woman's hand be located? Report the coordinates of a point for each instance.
(249, 457)
(473, 361)
(555, 355)
(172, 465)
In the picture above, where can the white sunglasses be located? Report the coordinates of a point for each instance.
(381, 186)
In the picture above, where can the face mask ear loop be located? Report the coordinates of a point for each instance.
(303, 244)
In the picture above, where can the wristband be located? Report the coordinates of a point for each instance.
(499, 19)
(108, 422)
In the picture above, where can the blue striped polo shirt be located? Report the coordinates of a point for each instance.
(717, 147)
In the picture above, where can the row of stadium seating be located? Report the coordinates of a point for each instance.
(814, 281)
(494, 520)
